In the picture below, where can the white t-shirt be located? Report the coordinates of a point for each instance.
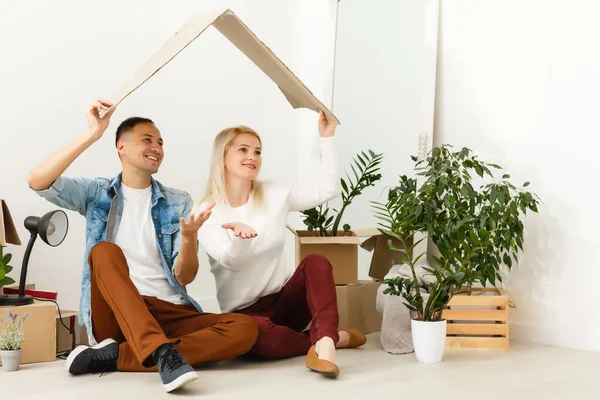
(247, 269)
(136, 236)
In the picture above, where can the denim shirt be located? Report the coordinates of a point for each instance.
(101, 202)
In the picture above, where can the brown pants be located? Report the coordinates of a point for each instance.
(141, 323)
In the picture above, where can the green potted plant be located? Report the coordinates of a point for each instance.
(366, 173)
(5, 268)
(476, 231)
(11, 341)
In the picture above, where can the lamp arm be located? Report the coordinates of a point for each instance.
(25, 262)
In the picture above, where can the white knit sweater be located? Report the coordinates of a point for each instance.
(247, 269)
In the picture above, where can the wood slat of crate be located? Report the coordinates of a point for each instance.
(477, 328)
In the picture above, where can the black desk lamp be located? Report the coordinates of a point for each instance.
(52, 228)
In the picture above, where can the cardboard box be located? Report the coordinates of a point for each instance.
(342, 252)
(39, 329)
(226, 22)
(68, 339)
(8, 233)
(357, 306)
(384, 257)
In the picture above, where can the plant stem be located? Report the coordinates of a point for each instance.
(338, 218)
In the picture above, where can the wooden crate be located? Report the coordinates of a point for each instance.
(480, 323)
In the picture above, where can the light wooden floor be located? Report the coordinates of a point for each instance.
(525, 372)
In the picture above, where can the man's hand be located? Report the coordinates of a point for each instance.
(326, 127)
(190, 229)
(98, 125)
(42, 176)
(241, 230)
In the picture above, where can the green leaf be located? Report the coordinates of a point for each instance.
(485, 235)
(346, 227)
(361, 160)
(354, 171)
(344, 186)
(474, 238)
(493, 194)
(7, 269)
(482, 222)
(479, 170)
(6, 281)
(419, 210)
(526, 184)
(501, 197)
(506, 176)
(7, 258)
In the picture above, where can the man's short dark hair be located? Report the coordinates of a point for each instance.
(129, 124)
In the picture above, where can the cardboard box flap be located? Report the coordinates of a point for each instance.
(226, 22)
(384, 257)
(329, 240)
(8, 233)
(311, 237)
(368, 232)
(369, 244)
(291, 229)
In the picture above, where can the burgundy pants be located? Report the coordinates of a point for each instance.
(309, 296)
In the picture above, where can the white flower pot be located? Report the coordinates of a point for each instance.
(11, 359)
(429, 340)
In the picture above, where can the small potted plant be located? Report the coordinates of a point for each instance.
(428, 328)
(11, 341)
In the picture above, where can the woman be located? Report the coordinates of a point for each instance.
(244, 238)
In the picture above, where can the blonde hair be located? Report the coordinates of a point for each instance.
(216, 189)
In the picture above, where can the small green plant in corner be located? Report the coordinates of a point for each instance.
(5, 268)
(366, 173)
(448, 279)
(11, 333)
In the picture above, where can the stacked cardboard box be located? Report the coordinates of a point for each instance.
(45, 334)
(356, 298)
(39, 329)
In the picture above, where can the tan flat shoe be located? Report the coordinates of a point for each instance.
(327, 368)
(357, 338)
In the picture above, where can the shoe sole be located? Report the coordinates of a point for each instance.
(181, 381)
(78, 350)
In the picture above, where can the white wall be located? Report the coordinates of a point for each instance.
(59, 56)
(518, 83)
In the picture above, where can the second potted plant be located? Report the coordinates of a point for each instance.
(11, 341)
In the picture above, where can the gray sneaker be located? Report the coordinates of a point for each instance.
(173, 369)
(97, 359)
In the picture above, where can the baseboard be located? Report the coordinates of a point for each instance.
(561, 337)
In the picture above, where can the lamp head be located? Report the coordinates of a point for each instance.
(52, 227)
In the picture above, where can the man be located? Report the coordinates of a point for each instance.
(140, 255)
